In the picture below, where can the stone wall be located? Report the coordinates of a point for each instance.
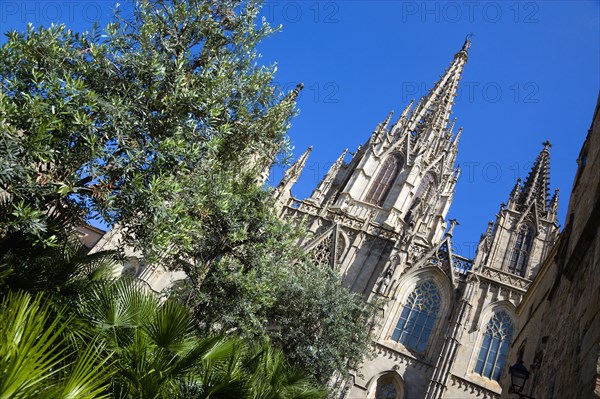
(559, 320)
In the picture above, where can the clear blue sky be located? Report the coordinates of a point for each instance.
(533, 74)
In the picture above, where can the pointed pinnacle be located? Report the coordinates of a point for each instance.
(466, 46)
(451, 128)
(294, 94)
(407, 109)
(488, 232)
(296, 168)
(553, 206)
(341, 158)
(387, 120)
(547, 145)
(537, 182)
(336, 165)
(404, 115)
(290, 177)
(514, 194)
(305, 154)
(457, 137)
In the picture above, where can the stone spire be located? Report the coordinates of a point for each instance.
(429, 120)
(536, 185)
(553, 206)
(282, 193)
(404, 176)
(387, 120)
(427, 124)
(515, 194)
(525, 227)
(320, 192)
(293, 96)
(404, 116)
(266, 161)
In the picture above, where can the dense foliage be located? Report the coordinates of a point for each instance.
(122, 341)
(125, 124)
(161, 124)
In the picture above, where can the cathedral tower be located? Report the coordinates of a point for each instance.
(380, 220)
(525, 227)
(405, 172)
(393, 195)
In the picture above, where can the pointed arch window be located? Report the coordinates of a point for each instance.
(388, 386)
(494, 346)
(418, 316)
(385, 179)
(520, 254)
(386, 391)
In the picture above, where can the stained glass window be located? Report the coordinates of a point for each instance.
(385, 179)
(386, 391)
(388, 387)
(494, 346)
(520, 255)
(418, 316)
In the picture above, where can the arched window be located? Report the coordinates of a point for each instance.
(131, 267)
(386, 391)
(494, 346)
(520, 254)
(389, 386)
(383, 182)
(418, 316)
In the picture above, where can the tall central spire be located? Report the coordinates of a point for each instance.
(403, 177)
(430, 118)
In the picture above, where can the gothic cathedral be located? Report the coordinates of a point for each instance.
(380, 219)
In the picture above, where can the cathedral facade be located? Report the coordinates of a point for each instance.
(379, 218)
(448, 326)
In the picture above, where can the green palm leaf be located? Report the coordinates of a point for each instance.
(31, 347)
(88, 377)
(36, 353)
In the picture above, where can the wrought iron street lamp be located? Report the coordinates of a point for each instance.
(518, 377)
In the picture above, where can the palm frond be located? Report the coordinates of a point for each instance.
(88, 378)
(31, 346)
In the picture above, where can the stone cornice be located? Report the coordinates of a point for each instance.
(508, 280)
(399, 357)
(472, 388)
(369, 227)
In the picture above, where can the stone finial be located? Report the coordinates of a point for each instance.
(296, 92)
(453, 224)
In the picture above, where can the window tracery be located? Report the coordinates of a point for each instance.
(321, 254)
(494, 346)
(327, 252)
(521, 249)
(385, 179)
(418, 316)
(388, 387)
